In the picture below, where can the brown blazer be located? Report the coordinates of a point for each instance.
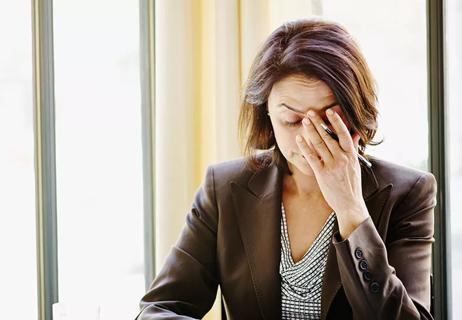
(232, 239)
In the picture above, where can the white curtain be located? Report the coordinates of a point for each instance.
(204, 49)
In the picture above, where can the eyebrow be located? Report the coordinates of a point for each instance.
(303, 113)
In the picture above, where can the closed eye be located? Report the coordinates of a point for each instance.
(293, 124)
(299, 122)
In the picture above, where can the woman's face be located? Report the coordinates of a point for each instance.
(302, 94)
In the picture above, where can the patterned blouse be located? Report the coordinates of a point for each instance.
(301, 282)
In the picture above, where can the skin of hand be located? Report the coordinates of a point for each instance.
(336, 168)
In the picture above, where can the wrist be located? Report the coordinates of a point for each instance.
(350, 220)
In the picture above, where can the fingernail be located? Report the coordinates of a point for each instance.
(329, 112)
(306, 121)
(311, 113)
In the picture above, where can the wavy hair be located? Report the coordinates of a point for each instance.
(317, 49)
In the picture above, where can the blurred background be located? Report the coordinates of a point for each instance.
(144, 96)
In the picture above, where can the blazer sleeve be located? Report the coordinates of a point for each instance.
(186, 286)
(392, 281)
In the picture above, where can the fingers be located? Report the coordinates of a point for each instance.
(341, 130)
(309, 153)
(323, 142)
(318, 147)
(317, 140)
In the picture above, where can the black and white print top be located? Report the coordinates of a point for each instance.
(301, 282)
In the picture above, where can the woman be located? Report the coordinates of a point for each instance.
(304, 230)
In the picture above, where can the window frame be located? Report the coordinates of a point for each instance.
(148, 86)
(45, 157)
(441, 280)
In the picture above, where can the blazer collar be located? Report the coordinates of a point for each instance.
(257, 204)
(269, 180)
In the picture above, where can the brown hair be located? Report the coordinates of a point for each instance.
(317, 49)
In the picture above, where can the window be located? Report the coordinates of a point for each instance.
(99, 171)
(99, 159)
(394, 43)
(454, 116)
(18, 271)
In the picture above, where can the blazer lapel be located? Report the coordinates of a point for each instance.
(258, 212)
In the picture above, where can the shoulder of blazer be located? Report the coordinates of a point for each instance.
(401, 176)
(235, 170)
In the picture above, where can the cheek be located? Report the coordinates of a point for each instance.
(286, 140)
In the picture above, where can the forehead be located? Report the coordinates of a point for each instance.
(299, 90)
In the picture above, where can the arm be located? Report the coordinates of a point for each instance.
(186, 286)
(393, 281)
